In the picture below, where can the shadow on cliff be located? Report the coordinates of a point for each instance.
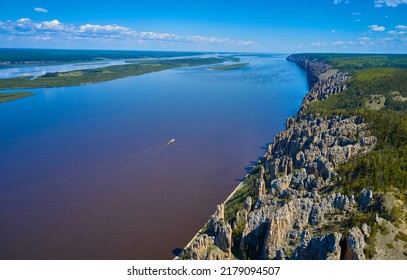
(249, 169)
(177, 252)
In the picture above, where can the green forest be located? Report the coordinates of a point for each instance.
(378, 92)
(380, 96)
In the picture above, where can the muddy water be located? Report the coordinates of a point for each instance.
(85, 172)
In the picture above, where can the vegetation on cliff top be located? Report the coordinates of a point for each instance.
(376, 80)
(386, 167)
(353, 62)
(366, 88)
(380, 96)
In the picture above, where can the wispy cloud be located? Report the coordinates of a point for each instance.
(318, 44)
(400, 30)
(356, 14)
(338, 43)
(393, 32)
(363, 43)
(377, 28)
(158, 36)
(96, 28)
(337, 2)
(389, 3)
(371, 43)
(55, 30)
(40, 10)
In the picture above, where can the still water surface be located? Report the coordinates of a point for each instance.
(85, 172)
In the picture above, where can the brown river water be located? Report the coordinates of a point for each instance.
(85, 172)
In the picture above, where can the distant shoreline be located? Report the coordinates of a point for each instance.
(91, 76)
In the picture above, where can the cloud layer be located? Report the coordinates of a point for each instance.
(378, 40)
(389, 3)
(55, 30)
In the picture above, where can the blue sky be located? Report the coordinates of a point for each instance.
(240, 25)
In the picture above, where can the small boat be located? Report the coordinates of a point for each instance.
(171, 142)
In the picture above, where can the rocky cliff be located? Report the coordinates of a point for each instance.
(296, 211)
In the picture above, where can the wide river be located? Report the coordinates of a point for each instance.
(85, 172)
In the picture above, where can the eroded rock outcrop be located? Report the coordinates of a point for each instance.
(355, 243)
(198, 250)
(297, 212)
(324, 247)
(216, 243)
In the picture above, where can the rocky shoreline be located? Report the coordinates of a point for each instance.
(296, 212)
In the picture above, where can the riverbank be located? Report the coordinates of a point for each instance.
(293, 207)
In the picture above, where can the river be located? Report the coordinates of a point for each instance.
(86, 172)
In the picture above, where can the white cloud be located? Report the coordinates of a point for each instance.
(357, 20)
(216, 40)
(356, 14)
(388, 39)
(41, 38)
(401, 27)
(245, 43)
(377, 28)
(95, 28)
(202, 39)
(40, 10)
(50, 25)
(158, 36)
(371, 43)
(318, 44)
(337, 2)
(389, 3)
(55, 30)
(392, 32)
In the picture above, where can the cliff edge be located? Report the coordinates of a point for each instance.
(290, 206)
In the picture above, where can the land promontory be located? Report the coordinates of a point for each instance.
(333, 184)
